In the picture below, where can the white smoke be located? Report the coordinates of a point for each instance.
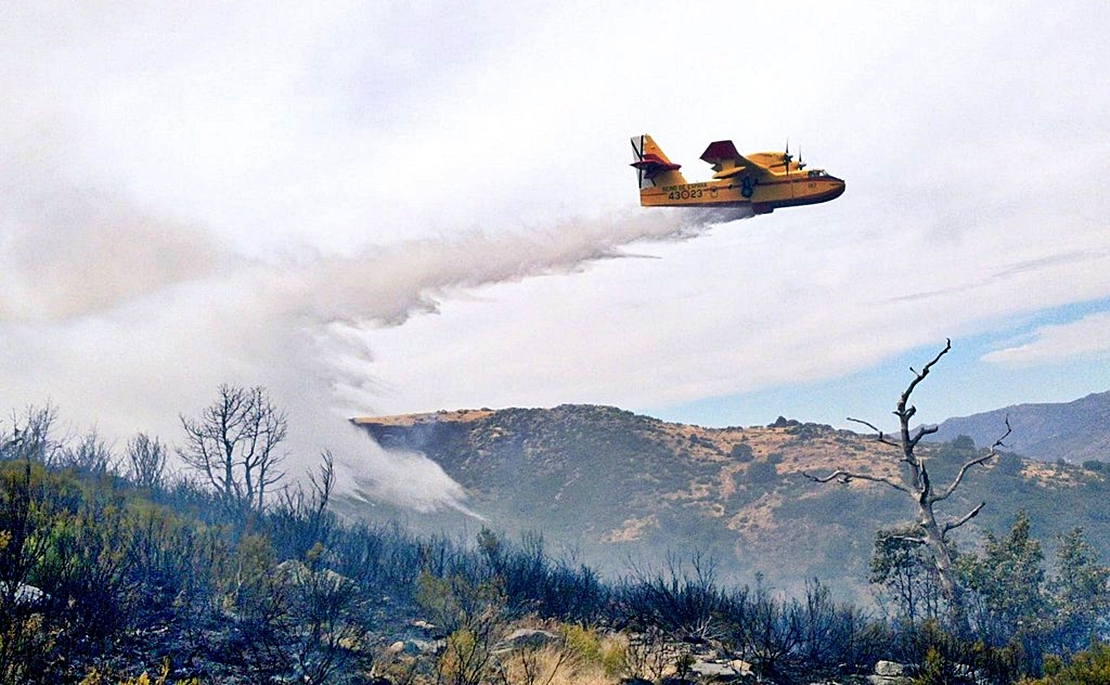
(128, 320)
(400, 477)
(68, 252)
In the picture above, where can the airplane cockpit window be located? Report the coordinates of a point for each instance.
(816, 173)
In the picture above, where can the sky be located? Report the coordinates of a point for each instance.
(380, 208)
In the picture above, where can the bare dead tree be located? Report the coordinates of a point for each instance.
(300, 518)
(931, 532)
(89, 454)
(146, 461)
(36, 439)
(234, 445)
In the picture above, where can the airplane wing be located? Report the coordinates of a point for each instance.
(727, 162)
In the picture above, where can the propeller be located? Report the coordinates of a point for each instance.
(786, 157)
(801, 164)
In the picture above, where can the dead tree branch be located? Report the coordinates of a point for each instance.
(912, 539)
(879, 435)
(842, 476)
(952, 525)
(971, 463)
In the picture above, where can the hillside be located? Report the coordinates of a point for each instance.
(622, 489)
(1073, 431)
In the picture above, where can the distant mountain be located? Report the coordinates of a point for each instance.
(618, 490)
(1073, 431)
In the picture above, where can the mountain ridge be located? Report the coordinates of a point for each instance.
(615, 488)
(1075, 431)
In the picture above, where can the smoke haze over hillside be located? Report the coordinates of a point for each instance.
(129, 300)
(127, 316)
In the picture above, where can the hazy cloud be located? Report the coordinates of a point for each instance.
(68, 251)
(1086, 338)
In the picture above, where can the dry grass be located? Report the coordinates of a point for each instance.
(1049, 475)
(552, 665)
(580, 656)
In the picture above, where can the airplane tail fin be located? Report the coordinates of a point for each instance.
(652, 166)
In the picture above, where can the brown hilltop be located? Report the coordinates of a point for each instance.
(794, 446)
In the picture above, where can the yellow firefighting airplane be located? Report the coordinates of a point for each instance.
(763, 180)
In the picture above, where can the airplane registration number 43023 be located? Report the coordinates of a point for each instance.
(685, 194)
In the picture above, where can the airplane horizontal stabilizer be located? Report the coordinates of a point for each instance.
(651, 164)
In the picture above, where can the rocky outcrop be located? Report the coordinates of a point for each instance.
(889, 673)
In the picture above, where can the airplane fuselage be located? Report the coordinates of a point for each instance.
(782, 190)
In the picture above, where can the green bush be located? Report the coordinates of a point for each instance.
(741, 452)
(582, 643)
(1091, 667)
